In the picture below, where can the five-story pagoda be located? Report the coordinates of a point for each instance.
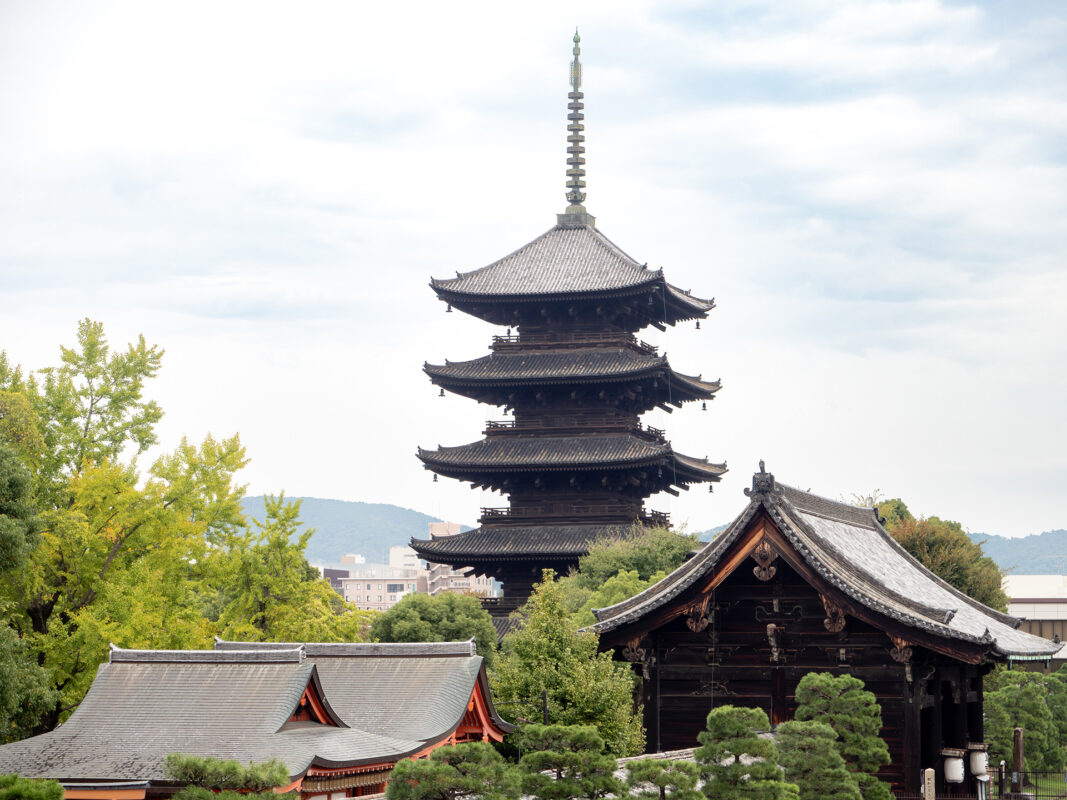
(574, 459)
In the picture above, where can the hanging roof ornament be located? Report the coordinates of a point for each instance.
(575, 213)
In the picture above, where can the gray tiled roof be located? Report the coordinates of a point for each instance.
(565, 366)
(413, 691)
(356, 649)
(848, 547)
(518, 542)
(564, 261)
(563, 453)
(137, 712)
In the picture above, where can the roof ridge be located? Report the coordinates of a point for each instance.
(357, 649)
(293, 654)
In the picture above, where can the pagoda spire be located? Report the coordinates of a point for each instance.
(576, 213)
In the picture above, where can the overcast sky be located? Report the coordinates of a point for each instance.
(874, 193)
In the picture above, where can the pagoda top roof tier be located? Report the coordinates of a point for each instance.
(507, 370)
(565, 263)
(567, 453)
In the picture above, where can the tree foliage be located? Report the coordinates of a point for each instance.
(855, 716)
(267, 591)
(12, 787)
(566, 761)
(18, 516)
(943, 547)
(615, 569)
(446, 617)
(473, 770)
(138, 558)
(808, 755)
(737, 762)
(1017, 699)
(663, 779)
(214, 773)
(25, 689)
(584, 687)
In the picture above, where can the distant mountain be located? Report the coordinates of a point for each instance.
(342, 526)
(1037, 554)
(711, 533)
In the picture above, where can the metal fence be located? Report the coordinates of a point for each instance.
(1001, 786)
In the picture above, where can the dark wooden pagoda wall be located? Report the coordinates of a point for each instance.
(732, 660)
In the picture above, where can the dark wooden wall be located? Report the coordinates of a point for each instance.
(735, 659)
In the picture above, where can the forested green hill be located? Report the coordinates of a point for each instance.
(1037, 554)
(343, 526)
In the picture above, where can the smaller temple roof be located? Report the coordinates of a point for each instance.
(235, 705)
(414, 690)
(848, 548)
(516, 543)
(568, 261)
(381, 703)
(555, 453)
(566, 367)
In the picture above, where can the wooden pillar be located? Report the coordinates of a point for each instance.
(912, 740)
(936, 732)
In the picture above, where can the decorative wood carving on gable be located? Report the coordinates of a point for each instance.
(764, 557)
(698, 617)
(901, 650)
(835, 615)
(635, 654)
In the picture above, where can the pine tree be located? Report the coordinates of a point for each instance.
(469, 771)
(663, 779)
(738, 763)
(809, 756)
(560, 762)
(854, 714)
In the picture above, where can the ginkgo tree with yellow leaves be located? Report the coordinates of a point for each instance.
(159, 559)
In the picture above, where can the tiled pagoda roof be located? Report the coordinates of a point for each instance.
(535, 542)
(609, 451)
(847, 546)
(566, 366)
(567, 261)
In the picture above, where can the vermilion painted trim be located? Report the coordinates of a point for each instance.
(104, 794)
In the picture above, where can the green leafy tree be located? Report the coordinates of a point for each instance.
(808, 754)
(737, 762)
(18, 516)
(618, 587)
(1056, 684)
(855, 716)
(25, 689)
(472, 770)
(446, 617)
(566, 761)
(944, 548)
(648, 551)
(548, 653)
(200, 793)
(663, 779)
(1021, 700)
(12, 787)
(270, 593)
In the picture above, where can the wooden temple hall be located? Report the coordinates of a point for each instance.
(574, 458)
(797, 584)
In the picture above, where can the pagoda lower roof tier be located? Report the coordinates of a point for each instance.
(565, 263)
(512, 454)
(539, 542)
(492, 378)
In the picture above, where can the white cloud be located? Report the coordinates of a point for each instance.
(874, 193)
